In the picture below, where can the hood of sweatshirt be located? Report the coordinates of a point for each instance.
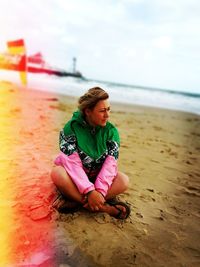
(91, 140)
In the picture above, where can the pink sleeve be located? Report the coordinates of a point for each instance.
(74, 168)
(106, 175)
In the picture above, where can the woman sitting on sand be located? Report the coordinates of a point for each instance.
(86, 169)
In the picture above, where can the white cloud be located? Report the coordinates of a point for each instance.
(133, 41)
(163, 42)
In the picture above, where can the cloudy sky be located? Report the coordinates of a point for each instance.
(143, 42)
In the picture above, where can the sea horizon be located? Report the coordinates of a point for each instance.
(119, 92)
(169, 90)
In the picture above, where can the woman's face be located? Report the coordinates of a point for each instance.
(99, 114)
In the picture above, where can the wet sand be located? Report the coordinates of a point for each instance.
(160, 152)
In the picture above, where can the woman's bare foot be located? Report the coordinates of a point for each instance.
(114, 211)
(119, 210)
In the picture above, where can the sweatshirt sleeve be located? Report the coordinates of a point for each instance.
(109, 169)
(69, 159)
(73, 166)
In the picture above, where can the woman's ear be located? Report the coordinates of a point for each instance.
(87, 111)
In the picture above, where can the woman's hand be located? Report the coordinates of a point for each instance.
(95, 200)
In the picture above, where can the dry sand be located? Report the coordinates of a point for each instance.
(160, 152)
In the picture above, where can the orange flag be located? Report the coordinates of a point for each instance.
(17, 47)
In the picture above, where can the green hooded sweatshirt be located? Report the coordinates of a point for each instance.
(93, 144)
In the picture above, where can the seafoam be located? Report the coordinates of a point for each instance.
(130, 94)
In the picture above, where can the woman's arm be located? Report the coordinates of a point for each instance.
(73, 166)
(109, 169)
(70, 160)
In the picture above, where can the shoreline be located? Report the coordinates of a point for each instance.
(122, 106)
(160, 152)
(162, 99)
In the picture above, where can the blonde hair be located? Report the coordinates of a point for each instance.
(91, 98)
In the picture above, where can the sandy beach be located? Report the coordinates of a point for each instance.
(160, 152)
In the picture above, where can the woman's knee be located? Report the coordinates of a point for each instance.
(124, 181)
(58, 173)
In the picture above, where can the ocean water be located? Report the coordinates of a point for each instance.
(130, 94)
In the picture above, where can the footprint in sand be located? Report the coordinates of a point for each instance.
(147, 198)
(196, 174)
(102, 218)
(171, 152)
(157, 128)
(162, 216)
(195, 134)
(139, 215)
(175, 145)
(192, 191)
(39, 213)
(188, 162)
(176, 211)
